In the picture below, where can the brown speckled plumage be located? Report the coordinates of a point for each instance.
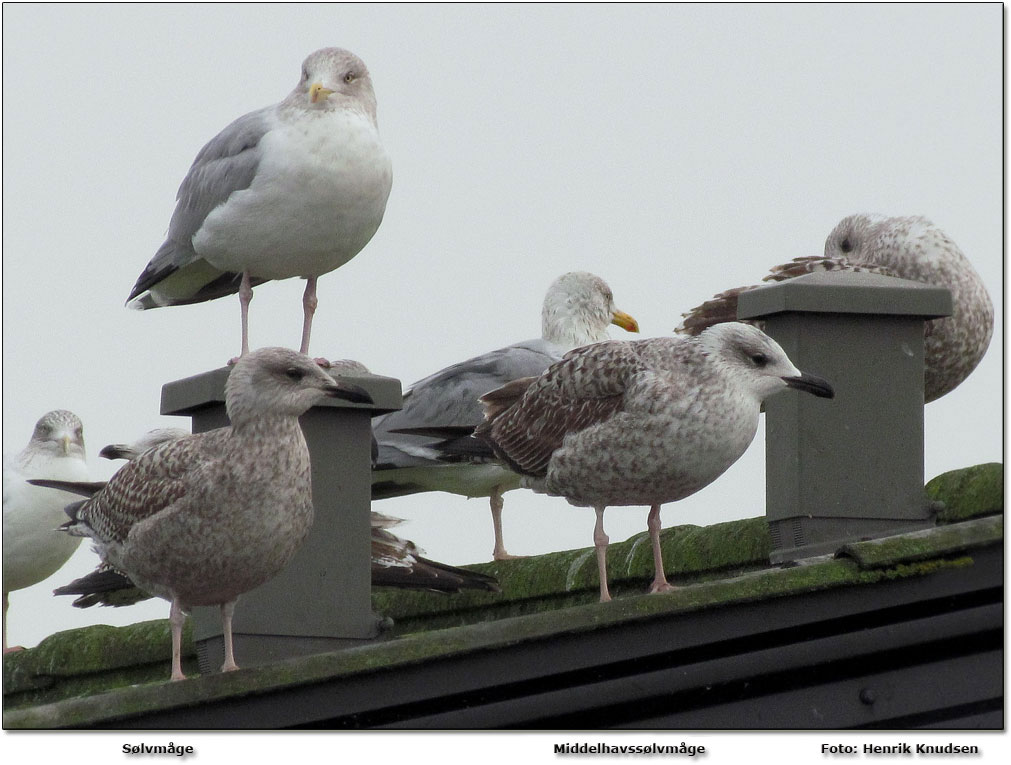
(640, 423)
(200, 520)
(396, 562)
(909, 248)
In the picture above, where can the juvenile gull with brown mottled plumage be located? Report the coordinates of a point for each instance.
(909, 248)
(641, 422)
(202, 519)
(395, 562)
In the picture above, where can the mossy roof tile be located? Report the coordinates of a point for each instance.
(543, 597)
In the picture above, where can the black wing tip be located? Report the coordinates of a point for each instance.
(390, 489)
(148, 278)
(226, 284)
(469, 449)
(113, 452)
(437, 431)
(432, 576)
(106, 587)
(466, 578)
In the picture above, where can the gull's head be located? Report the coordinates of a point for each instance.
(334, 78)
(577, 310)
(757, 361)
(852, 237)
(280, 382)
(60, 434)
(909, 246)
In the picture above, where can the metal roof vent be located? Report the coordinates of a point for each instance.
(852, 467)
(292, 615)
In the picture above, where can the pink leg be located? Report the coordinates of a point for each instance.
(309, 303)
(176, 620)
(226, 629)
(495, 500)
(245, 297)
(601, 540)
(660, 583)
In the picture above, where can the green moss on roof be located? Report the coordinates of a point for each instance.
(691, 553)
(543, 596)
(820, 574)
(89, 660)
(558, 580)
(923, 545)
(969, 492)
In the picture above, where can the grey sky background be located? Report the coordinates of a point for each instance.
(674, 150)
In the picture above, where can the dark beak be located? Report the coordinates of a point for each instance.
(113, 452)
(811, 384)
(349, 392)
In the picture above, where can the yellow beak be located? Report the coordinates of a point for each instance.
(66, 444)
(624, 321)
(318, 92)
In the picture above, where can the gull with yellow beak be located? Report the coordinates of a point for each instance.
(294, 189)
(577, 310)
(33, 548)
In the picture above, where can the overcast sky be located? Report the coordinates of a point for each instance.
(674, 151)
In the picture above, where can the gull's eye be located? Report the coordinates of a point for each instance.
(305, 75)
(759, 359)
(349, 77)
(294, 373)
(846, 245)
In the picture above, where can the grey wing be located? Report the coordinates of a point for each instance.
(227, 164)
(450, 397)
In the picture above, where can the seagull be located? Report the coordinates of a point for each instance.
(33, 549)
(577, 309)
(910, 248)
(202, 519)
(293, 189)
(640, 422)
(396, 562)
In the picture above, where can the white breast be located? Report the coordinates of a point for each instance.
(317, 199)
